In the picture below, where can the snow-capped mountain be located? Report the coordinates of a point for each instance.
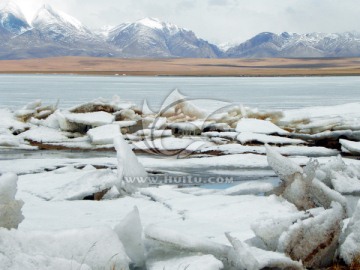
(59, 26)
(103, 31)
(55, 33)
(12, 20)
(151, 37)
(298, 45)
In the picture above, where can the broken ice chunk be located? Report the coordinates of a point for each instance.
(259, 126)
(352, 147)
(10, 208)
(131, 173)
(94, 119)
(284, 167)
(314, 240)
(186, 242)
(350, 239)
(130, 232)
(104, 134)
(244, 257)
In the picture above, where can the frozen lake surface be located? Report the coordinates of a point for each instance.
(264, 93)
(213, 199)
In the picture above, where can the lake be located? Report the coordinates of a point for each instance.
(264, 93)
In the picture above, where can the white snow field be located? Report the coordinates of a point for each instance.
(89, 187)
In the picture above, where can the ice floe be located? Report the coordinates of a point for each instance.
(258, 126)
(98, 212)
(104, 134)
(85, 248)
(352, 147)
(10, 208)
(350, 242)
(131, 173)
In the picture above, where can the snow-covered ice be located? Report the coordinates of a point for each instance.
(350, 242)
(258, 126)
(131, 173)
(92, 119)
(352, 147)
(130, 232)
(249, 137)
(93, 248)
(10, 208)
(104, 134)
(99, 210)
(195, 262)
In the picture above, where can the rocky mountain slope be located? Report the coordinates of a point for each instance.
(298, 45)
(54, 33)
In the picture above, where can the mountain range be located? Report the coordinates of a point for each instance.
(55, 33)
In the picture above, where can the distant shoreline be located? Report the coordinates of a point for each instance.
(184, 67)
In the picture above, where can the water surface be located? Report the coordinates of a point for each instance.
(264, 93)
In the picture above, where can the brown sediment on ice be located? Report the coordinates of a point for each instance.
(49, 146)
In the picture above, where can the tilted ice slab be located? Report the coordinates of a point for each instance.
(130, 233)
(10, 208)
(94, 249)
(44, 135)
(87, 185)
(174, 239)
(248, 137)
(314, 240)
(131, 173)
(269, 230)
(244, 257)
(300, 185)
(283, 167)
(259, 126)
(350, 239)
(91, 119)
(352, 147)
(343, 178)
(68, 183)
(104, 134)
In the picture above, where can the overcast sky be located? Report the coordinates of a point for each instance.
(216, 20)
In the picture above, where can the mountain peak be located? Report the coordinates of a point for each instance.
(47, 15)
(11, 7)
(151, 22)
(12, 18)
(155, 23)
